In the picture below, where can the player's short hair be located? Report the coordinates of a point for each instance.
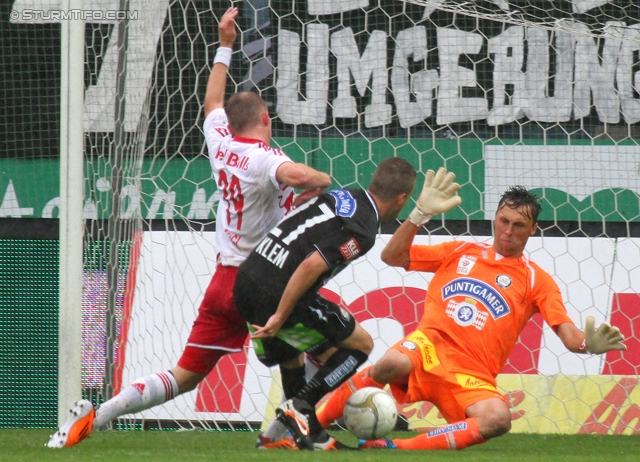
(393, 176)
(244, 111)
(518, 197)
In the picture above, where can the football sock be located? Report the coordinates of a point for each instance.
(458, 435)
(331, 409)
(275, 431)
(142, 394)
(338, 368)
(292, 380)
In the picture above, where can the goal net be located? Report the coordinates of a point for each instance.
(545, 94)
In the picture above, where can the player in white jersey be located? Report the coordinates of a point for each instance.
(256, 184)
(245, 171)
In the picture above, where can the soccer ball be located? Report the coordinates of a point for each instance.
(370, 413)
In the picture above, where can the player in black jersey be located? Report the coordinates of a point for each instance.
(276, 292)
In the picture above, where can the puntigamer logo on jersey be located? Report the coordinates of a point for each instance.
(480, 291)
(466, 313)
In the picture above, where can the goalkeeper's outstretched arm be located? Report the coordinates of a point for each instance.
(438, 195)
(597, 341)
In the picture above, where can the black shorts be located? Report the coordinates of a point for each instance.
(314, 325)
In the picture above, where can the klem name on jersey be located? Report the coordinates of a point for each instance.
(273, 252)
(233, 160)
(478, 290)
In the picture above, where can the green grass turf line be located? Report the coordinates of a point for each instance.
(211, 446)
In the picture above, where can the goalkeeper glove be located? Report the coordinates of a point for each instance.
(603, 339)
(437, 196)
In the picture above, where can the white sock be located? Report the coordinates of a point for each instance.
(310, 367)
(142, 394)
(275, 431)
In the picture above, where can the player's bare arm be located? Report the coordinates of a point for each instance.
(300, 282)
(214, 97)
(438, 195)
(572, 337)
(396, 252)
(301, 176)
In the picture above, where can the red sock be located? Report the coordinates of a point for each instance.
(458, 435)
(332, 408)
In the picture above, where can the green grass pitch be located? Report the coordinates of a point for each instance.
(215, 446)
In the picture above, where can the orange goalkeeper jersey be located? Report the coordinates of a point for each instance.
(479, 302)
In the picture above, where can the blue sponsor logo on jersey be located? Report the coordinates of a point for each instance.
(345, 203)
(478, 290)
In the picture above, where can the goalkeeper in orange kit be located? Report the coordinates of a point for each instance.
(479, 300)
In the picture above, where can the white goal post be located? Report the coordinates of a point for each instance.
(71, 203)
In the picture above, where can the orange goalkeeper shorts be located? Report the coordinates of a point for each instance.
(435, 378)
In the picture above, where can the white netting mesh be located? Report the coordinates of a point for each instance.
(540, 93)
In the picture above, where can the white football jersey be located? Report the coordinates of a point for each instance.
(252, 201)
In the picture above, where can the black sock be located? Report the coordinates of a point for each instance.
(336, 370)
(292, 381)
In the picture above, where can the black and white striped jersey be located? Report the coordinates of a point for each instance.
(341, 225)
